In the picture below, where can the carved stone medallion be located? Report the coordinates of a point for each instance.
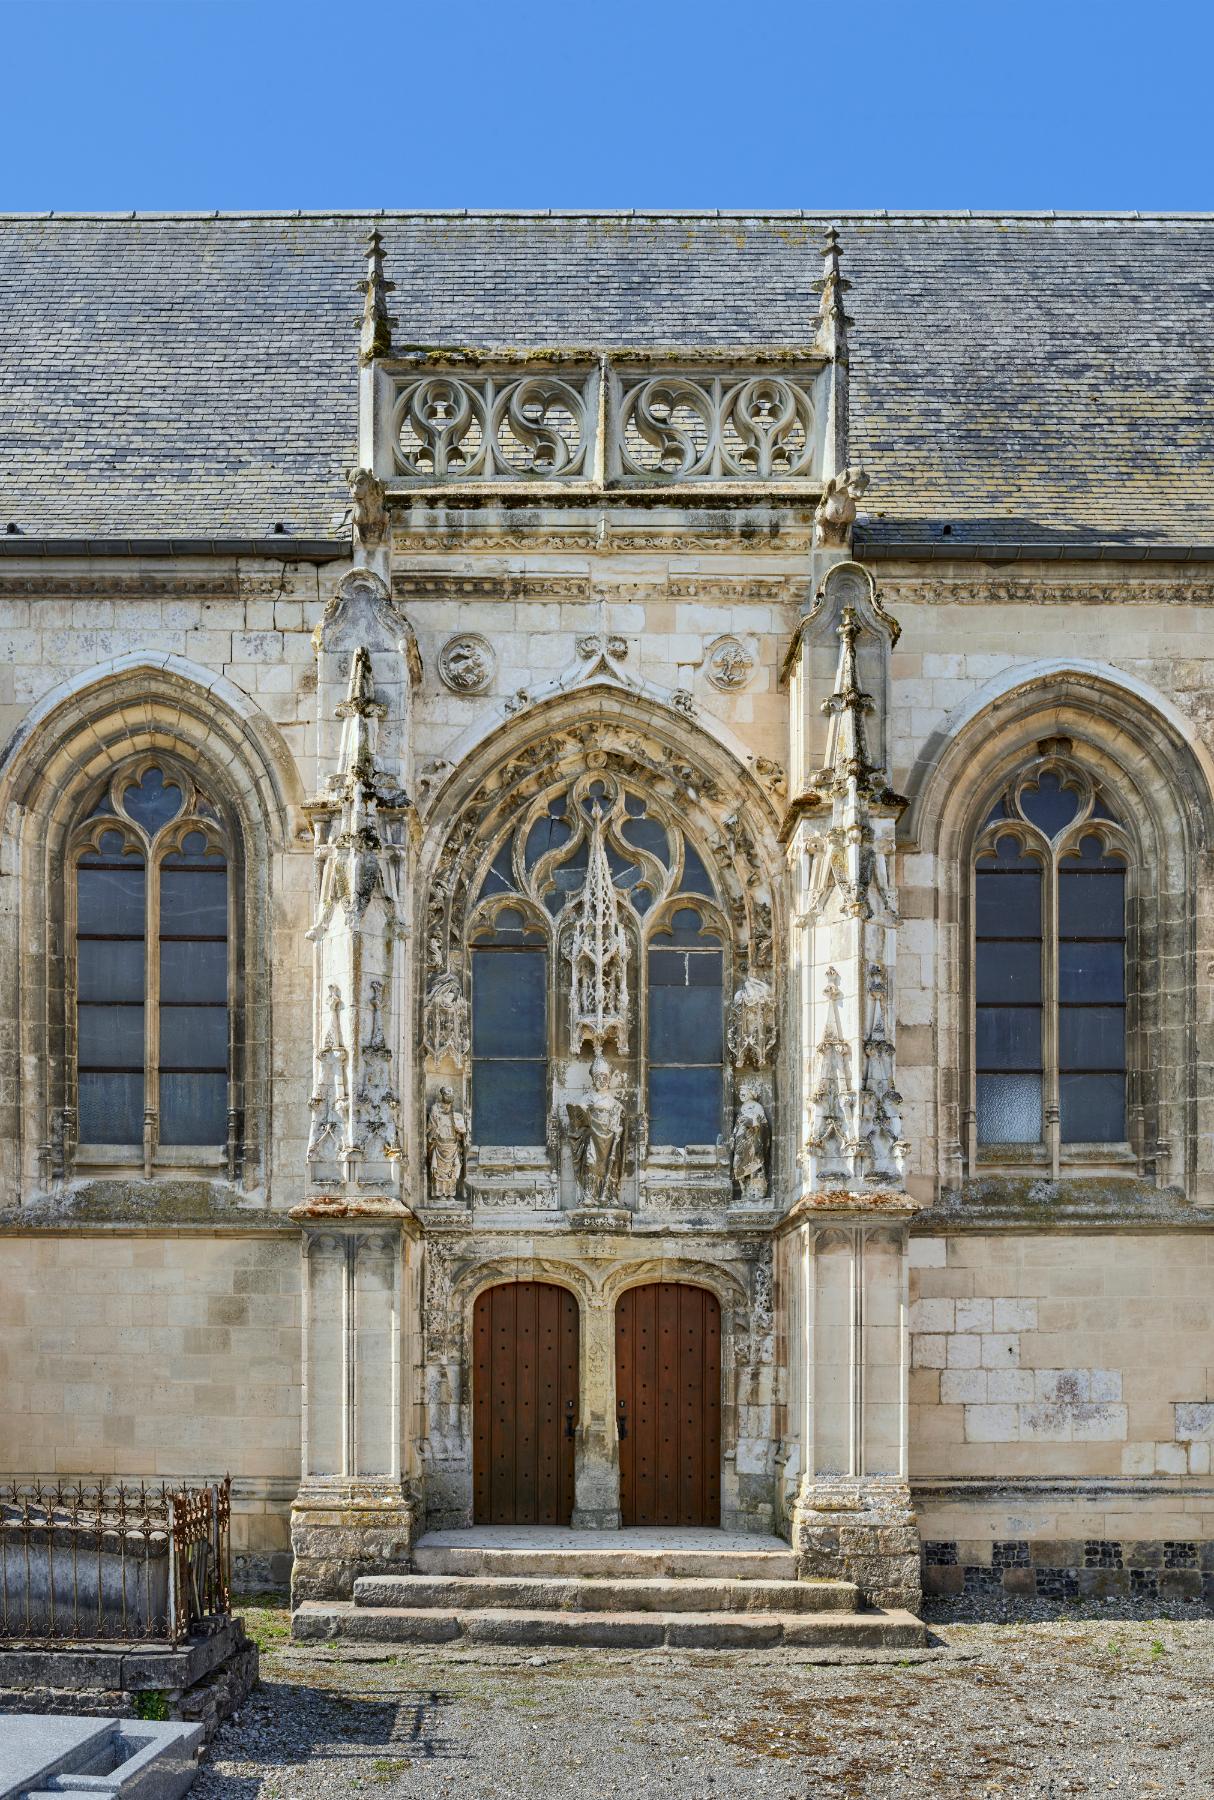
(466, 663)
(728, 664)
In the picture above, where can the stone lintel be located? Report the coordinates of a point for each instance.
(848, 1206)
(329, 1209)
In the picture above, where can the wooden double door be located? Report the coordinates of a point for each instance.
(524, 1404)
(668, 1404)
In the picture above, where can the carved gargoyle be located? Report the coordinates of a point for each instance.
(836, 512)
(367, 504)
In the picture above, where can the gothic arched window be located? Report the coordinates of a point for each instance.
(1050, 871)
(597, 929)
(150, 909)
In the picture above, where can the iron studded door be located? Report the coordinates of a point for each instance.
(524, 1404)
(668, 1404)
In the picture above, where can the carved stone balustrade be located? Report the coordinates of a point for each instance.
(598, 424)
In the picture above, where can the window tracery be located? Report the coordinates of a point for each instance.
(149, 910)
(1052, 863)
(595, 918)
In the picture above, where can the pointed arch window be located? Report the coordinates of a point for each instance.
(1050, 875)
(151, 906)
(597, 926)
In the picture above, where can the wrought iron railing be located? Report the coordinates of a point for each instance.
(605, 424)
(93, 1563)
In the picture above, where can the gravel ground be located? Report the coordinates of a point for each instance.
(1051, 1702)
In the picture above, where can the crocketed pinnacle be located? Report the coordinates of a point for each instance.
(377, 323)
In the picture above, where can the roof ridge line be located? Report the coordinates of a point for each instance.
(1037, 216)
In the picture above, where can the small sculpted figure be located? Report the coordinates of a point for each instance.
(445, 1133)
(749, 1143)
(596, 1133)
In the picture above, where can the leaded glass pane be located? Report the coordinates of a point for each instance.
(1049, 805)
(1088, 971)
(194, 1037)
(153, 800)
(685, 1024)
(1090, 904)
(194, 1109)
(1091, 1037)
(684, 1105)
(108, 970)
(111, 902)
(1008, 1037)
(109, 1037)
(193, 970)
(1009, 1109)
(509, 1011)
(1009, 971)
(696, 879)
(110, 1107)
(194, 902)
(1008, 905)
(1092, 1109)
(509, 1103)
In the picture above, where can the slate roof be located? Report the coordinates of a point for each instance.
(1032, 379)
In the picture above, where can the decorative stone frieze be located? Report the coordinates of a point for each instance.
(751, 1029)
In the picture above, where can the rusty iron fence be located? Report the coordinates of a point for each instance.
(85, 1563)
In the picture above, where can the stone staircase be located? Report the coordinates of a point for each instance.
(626, 1590)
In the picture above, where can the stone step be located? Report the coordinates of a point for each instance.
(636, 1594)
(623, 1563)
(320, 1621)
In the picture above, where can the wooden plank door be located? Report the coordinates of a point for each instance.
(668, 1404)
(524, 1404)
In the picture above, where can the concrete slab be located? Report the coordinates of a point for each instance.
(126, 1759)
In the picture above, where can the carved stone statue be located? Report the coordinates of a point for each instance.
(596, 1134)
(446, 1131)
(445, 1027)
(749, 1144)
(836, 512)
(751, 1030)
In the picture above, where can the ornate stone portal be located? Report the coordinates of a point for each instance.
(662, 1016)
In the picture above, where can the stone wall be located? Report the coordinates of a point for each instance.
(158, 1358)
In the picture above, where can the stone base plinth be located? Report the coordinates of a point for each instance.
(341, 1529)
(864, 1531)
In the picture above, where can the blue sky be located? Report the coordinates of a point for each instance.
(167, 104)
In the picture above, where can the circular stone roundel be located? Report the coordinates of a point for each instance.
(466, 663)
(730, 664)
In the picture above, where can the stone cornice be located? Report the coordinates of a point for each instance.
(1116, 590)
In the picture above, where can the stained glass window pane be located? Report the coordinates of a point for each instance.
(685, 1024)
(194, 1037)
(1009, 1109)
(651, 835)
(696, 879)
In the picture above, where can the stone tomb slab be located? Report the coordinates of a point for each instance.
(126, 1759)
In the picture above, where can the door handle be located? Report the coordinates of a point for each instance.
(570, 1422)
(622, 1421)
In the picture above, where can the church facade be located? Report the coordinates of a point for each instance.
(606, 883)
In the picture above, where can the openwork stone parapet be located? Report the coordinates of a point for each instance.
(593, 422)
